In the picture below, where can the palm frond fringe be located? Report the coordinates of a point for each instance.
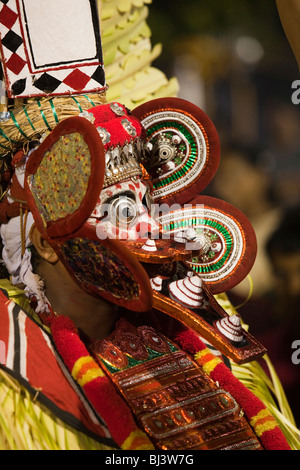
(266, 386)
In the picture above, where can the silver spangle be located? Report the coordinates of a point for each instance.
(4, 116)
(129, 127)
(117, 109)
(89, 116)
(104, 134)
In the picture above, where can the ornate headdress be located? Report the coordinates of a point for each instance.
(48, 83)
(122, 136)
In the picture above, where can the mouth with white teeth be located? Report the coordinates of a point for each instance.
(165, 263)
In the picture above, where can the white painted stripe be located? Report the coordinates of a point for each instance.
(11, 337)
(23, 344)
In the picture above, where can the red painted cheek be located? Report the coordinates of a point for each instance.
(115, 231)
(123, 235)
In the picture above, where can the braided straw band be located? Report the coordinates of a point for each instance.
(31, 120)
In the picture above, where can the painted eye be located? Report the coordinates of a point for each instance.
(123, 210)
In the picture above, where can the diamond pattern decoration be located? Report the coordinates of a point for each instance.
(77, 80)
(27, 80)
(98, 75)
(15, 64)
(12, 41)
(46, 83)
(8, 17)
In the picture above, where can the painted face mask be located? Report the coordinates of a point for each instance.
(158, 159)
(124, 211)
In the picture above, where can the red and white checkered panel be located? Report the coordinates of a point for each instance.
(51, 48)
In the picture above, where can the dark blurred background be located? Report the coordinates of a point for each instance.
(233, 60)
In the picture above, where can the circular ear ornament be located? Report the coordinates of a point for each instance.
(182, 150)
(63, 180)
(221, 238)
(64, 177)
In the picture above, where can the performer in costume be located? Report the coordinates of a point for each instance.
(176, 409)
(131, 381)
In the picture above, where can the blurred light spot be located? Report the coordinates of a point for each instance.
(249, 50)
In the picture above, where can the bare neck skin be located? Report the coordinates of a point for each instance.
(94, 316)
